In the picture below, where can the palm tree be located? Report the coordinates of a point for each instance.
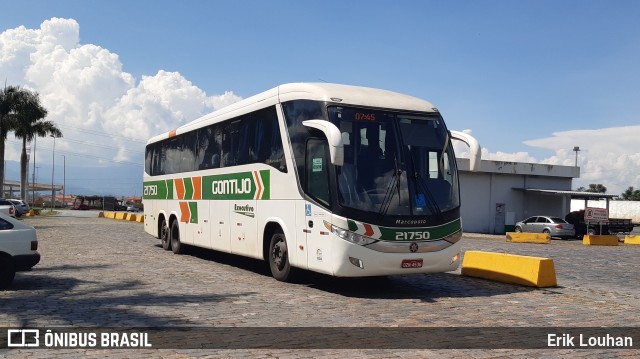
(10, 96)
(30, 123)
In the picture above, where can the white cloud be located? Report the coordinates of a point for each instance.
(610, 156)
(87, 93)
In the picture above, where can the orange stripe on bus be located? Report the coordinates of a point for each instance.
(259, 187)
(185, 213)
(197, 187)
(368, 230)
(179, 187)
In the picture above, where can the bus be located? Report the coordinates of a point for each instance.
(343, 180)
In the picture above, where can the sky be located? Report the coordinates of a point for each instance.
(529, 79)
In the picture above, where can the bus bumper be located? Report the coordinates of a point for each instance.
(358, 261)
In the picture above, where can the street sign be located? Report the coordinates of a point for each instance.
(593, 214)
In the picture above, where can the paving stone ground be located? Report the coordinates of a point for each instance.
(98, 272)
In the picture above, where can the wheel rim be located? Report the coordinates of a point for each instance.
(164, 233)
(175, 236)
(279, 254)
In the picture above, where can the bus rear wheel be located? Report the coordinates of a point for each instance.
(279, 258)
(176, 246)
(164, 235)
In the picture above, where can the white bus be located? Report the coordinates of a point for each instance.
(343, 180)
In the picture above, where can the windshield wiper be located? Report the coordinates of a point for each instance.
(431, 202)
(419, 181)
(389, 194)
(444, 148)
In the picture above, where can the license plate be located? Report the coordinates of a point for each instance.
(412, 263)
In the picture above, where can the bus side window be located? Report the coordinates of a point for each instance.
(208, 150)
(267, 145)
(187, 152)
(317, 178)
(148, 158)
(227, 155)
(159, 158)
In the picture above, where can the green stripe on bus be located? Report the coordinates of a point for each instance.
(193, 208)
(410, 234)
(266, 184)
(235, 186)
(188, 188)
(162, 189)
(232, 186)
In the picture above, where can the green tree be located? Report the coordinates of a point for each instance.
(593, 188)
(10, 96)
(631, 194)
(31, 123)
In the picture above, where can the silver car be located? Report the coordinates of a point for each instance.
(21, 206)
(554, 226)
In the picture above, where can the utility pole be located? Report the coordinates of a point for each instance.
(33, 186)
(53, 168)
(64, 179)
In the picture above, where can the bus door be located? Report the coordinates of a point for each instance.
(317, 186)
(219, 217)
(242, 218)
(201, 226)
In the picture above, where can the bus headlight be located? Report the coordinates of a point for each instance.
(352, 236)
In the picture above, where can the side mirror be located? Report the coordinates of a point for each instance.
(334, 138)
(474, 149)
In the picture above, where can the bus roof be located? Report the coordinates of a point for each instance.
(337, 93)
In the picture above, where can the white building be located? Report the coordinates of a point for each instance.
(502, 193)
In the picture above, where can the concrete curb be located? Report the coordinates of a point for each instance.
(600, 240)
(510, 268)
(518, 237)
(123, 216)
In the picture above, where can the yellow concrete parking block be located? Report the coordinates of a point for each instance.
(140, 218)
(510, 268)
(517, 237)
(111, 215)
(600, 240)
(631, 239)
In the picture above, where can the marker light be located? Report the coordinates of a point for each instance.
(356, 262)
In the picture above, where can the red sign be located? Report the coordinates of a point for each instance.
(592, 214)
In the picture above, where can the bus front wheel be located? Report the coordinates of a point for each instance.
(279, 257)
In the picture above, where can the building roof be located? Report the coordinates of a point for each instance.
(573, 194)
(521, 168)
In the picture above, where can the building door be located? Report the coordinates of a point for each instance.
(500, 218)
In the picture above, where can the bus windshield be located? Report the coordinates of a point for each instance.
(395, 163)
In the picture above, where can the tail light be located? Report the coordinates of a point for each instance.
(11, 211)
(558, 226)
